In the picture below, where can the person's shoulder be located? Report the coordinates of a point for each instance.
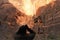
(26, 26)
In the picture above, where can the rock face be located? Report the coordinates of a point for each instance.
(8, 25)
(50, 16)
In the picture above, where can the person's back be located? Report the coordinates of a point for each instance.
(22, 30)
(24, 35)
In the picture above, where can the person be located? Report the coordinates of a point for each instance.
(23, 35)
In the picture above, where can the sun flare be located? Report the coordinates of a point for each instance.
(29, 7)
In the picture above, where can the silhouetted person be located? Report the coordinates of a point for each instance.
(22, 33)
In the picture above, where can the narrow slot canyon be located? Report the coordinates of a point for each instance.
(42, 18)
